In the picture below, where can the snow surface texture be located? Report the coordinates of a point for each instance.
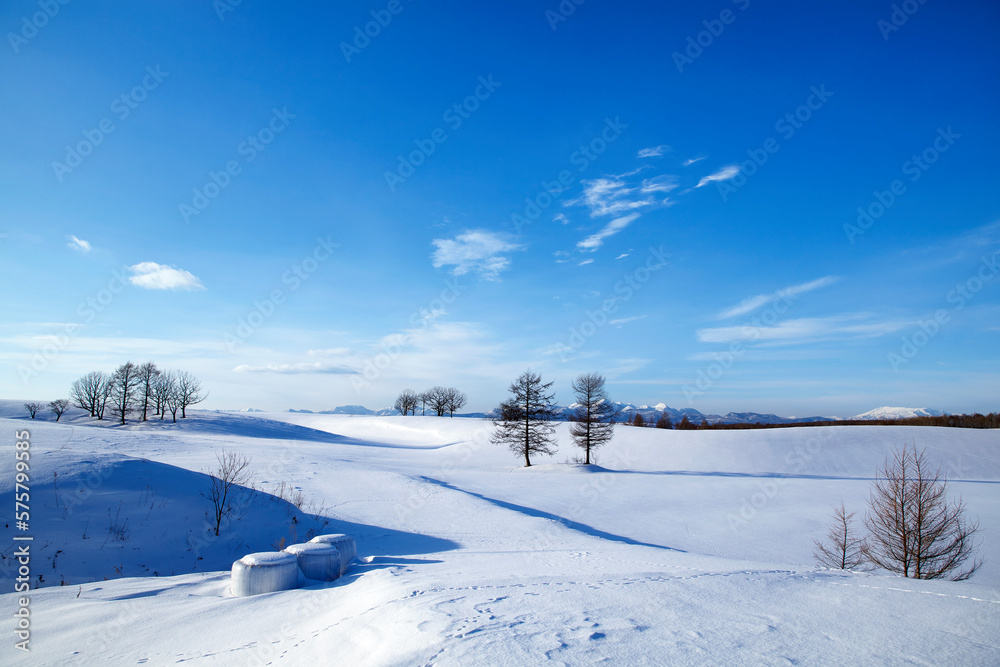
(345, 545)
(264, 572)
(678, 548)
(320, 562)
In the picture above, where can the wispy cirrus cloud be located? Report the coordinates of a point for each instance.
(595, 241)
(329, 352)
(662, 183)
(150, 275)
(688, 163)
(477, 251)
(655, 151)
(723, 174)
(315, 368)
(804, 330)
(609, 196)
(78, 244)
(625, 320)
(752, 303)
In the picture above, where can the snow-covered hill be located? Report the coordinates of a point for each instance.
(679, 547)
(898, 413)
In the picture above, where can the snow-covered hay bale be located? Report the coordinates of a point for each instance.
(345, 545)
(316, 560)
(264, 572)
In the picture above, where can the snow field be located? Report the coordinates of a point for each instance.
(469, 559)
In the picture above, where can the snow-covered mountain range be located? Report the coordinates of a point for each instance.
(899, 413)
(653, 413)
(625, 410)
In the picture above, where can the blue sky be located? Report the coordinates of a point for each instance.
(307, 216)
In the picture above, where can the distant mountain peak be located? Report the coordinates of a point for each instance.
(899, 413)
(351, 410)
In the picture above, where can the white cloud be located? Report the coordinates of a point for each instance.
(479, 251)
(752, 303)
(608, 196)
(626, 366)
(723, 174)
(801, 330)
(78, 244)
(625, 320)
(594, 241)
(624, 255)
(664, 183)
(656, 151)
(559, 217)
(329, 352)
(986, 235)
(688, 163)
(586, 261)
(150, 275)
(304, 368)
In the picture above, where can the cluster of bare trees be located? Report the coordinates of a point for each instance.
(663, 421)
(441, 400)
(142, 389)
(522, 422)
(912, 529)
(58, 407)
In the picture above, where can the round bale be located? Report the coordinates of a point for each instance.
(317, 561)
(264, 572)
(345, 545)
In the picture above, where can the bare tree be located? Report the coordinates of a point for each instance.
(188, 391)
(148, 372)
(664, 421)
(172, 400)
(639, 420)
(437, 398)
(164, 390)
(522, 421)
(105, 387)
(32, 408)
(124, 387)
(407, 401)
(843, 549)
(233, 471)
(913, 530)
(86, 392)
(454, 400)
(59, 407)
(593, 421)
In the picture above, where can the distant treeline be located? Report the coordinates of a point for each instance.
(992, 420)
